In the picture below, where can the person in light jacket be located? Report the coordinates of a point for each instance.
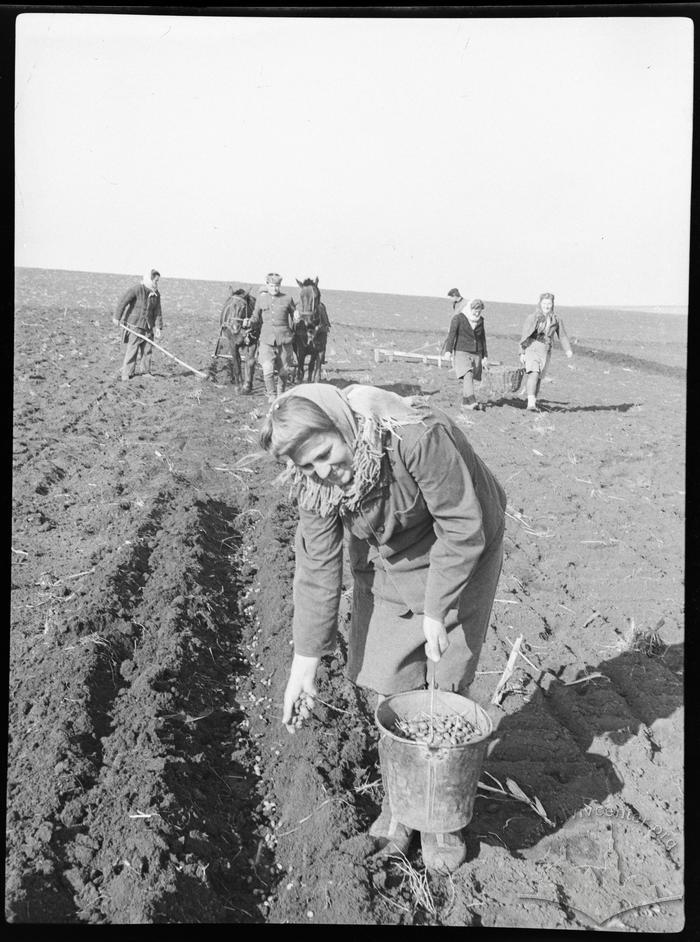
(139, 308)
(539, 330)
(466, 344)
(425, 520)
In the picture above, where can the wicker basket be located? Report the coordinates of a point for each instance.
(504, 379)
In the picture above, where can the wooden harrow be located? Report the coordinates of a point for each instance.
(381, 355)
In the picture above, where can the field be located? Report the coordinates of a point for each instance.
(149, 776)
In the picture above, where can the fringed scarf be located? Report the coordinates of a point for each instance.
(365, 417)
(545, 326)
(147, 282)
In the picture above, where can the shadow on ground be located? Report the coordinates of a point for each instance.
(564, 744)
(546, 405)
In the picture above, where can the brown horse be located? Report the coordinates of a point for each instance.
(242, 342)
(310, 331)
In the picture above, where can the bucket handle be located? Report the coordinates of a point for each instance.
(432, 685)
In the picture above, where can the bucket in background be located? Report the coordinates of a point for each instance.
(431, 789)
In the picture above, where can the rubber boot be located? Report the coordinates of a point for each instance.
(248, 380)
(443, 853)
(269, 386)
(389, 835)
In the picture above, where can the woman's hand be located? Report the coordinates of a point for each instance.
(522, 359)
(300, 691)
(158, 333)
(115, 322)
(485, 362)
(436, 640)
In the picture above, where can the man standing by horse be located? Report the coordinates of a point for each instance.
(139, 308)
(274, 316)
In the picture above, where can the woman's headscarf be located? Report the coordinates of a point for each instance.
(363, 415)
(148, 279)
(346, 407)
(545, 321)
(473, 310)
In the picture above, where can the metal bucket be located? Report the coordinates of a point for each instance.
(431, 788)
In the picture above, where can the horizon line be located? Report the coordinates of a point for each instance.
(646, 307)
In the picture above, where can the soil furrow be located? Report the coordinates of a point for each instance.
(322, 814)
(145, 819)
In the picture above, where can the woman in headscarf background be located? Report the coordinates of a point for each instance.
(425, 520)
(140, 308)
(466, 344)
(539, 330)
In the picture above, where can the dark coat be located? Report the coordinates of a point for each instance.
(139, 307)
(274, 317)
(463, 336)
(430, 526)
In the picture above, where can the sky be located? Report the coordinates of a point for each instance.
(503, 156)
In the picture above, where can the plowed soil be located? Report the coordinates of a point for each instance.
(149, 777)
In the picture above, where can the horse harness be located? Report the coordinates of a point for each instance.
(311, 320)
(249, 335)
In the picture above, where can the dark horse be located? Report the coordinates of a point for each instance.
(310, 331)
(242, 342)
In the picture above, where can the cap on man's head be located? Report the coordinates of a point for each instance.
(454, 293)
(273, 278)
(476, 304)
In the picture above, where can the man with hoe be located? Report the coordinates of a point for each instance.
(140, 309)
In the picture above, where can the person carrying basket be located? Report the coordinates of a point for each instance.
(539, 330)
(466, 345)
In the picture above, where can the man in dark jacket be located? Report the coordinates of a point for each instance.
(466, 344)
(139, 309)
